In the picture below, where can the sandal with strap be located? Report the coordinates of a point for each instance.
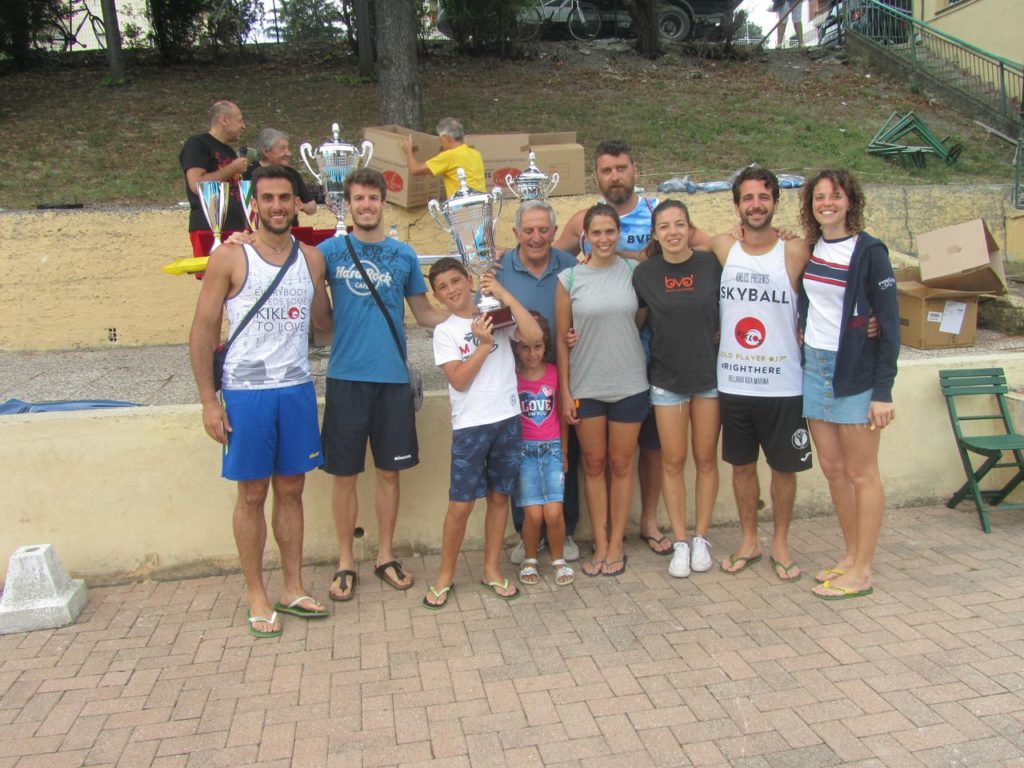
(564, 575)
(529, 574)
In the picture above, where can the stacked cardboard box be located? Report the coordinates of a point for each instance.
(505, 154)
(939, 300)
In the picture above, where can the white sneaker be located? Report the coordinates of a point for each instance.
(518, 553)
(680, 565)
(571, 551)
(700, 559)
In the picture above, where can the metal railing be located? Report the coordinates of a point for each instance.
(988, 78)
(991, 81)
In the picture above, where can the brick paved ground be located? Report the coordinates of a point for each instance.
(642, 670)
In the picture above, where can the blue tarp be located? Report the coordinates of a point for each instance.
(20, 406)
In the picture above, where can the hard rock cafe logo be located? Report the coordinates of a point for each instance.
(750, 333)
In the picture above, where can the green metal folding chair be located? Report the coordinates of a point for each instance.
(988, 383)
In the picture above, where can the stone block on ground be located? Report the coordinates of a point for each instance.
(38, 593)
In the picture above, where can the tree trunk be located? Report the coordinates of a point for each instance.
(401, 97)
(115, 54)
(645, 24)
(364, 36)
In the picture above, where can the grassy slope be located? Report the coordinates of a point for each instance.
(70, 138)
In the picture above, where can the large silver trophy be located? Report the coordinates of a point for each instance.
(532, 183)
(336, 159)
(469, 218)
(213, 199)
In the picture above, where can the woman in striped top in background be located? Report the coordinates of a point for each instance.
(848, 377)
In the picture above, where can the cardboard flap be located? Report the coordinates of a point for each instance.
(962, 257)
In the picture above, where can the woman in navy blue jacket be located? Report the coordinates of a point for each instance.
(848, 377)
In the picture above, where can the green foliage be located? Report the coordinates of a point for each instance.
(229, 22)
(176, 26)
(310, 21)
(483, 26)
(25, 26)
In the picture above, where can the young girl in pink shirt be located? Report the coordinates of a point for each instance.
(542, 468)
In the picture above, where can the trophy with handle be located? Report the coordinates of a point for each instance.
(245, 193)
(335, 159)
(213, 199)
(532, 183)
(469, 218)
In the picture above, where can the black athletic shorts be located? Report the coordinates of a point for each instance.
(776, 424)
(361, 410)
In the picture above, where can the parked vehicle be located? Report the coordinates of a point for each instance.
(867, 19)
(678, 20)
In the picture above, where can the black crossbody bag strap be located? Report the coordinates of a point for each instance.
(376, 297)
(292, 258)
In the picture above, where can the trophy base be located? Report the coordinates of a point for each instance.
(500, 317)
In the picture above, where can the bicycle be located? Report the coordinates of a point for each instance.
(67, 29)
(582, 18)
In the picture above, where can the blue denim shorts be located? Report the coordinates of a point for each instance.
(820, 402)
(485, 458)
(540, 473)
(663, 397)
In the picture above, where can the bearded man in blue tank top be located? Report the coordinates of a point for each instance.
(266, 416)
(615, 171)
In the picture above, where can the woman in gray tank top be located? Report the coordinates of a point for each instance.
(602, 381)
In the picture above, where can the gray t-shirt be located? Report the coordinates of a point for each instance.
(607, 362)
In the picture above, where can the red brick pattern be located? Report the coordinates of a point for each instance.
(637, 671)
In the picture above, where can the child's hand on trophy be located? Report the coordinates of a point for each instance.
(490, 286)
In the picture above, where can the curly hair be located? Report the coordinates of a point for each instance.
(842, 179)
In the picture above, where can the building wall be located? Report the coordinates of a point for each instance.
(995, 26)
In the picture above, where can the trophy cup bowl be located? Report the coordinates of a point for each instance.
(213, 199)
(532, 183)
(245, 190)
(469, 218)
(335, 160)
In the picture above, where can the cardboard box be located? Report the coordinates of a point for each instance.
(963, 257)
(404, 189)
(508, 153)
(935, 318)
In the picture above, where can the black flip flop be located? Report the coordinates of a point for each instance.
(343, 577)
(650, 541)
(381, 572)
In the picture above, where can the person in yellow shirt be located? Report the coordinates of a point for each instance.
(454, 154)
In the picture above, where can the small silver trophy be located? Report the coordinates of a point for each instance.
(245, 193)
(532, 183)
(213, 199)
(469, 218)
(336, 159)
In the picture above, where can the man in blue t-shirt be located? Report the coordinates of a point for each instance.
(368, 394)
(530, 272)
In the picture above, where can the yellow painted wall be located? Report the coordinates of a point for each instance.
(995, 26)
(66, 277)
(136, 492)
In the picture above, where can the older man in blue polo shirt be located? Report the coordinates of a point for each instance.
(530, 272)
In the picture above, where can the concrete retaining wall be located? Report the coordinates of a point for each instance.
(136, 492)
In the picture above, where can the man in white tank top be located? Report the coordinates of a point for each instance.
(267, 419)
(759, 371)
